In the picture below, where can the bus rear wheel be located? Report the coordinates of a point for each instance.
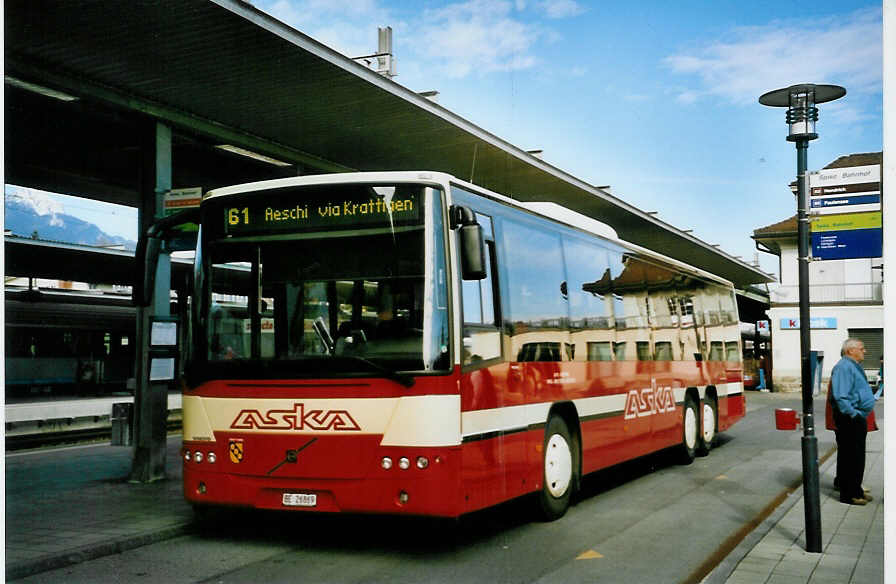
(690, 431)
(709, 425)
(558, 470)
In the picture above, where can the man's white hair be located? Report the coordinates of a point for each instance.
(849, 344)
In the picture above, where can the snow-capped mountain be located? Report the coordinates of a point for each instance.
(28, 212)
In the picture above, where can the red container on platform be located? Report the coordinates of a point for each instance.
(786, 419)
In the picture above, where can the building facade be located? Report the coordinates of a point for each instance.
(846, 300)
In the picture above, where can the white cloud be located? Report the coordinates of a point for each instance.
(347, 26)
(561, 8)
(843, 50)
(457, 39)
(477, 35)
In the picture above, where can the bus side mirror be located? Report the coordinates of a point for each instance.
(146, 256)
(472, 246)
(146, 259)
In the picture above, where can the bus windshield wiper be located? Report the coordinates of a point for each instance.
(320, 327)
(401, 378)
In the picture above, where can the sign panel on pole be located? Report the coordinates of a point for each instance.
(846, 219)
(848, 244)
(177, 200)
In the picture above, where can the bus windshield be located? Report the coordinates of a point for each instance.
(323, 281)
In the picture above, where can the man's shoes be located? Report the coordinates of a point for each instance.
(865, 489)
(867, 496)
(856, 501)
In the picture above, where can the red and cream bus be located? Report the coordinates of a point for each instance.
(406, 342)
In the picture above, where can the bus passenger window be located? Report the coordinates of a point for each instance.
(600, 351)
(716, 351)
(663, 350)
(619, 350)
(732, 353)
(643, 350)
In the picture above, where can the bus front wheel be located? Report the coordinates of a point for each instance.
(558, 470)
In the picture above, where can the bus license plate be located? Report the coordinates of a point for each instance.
(299, 500)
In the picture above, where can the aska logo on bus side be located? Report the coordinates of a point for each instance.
(295, 419)
(648, 401)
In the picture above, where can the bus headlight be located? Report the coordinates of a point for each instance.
(422, 462)
(197, 457)
(386, 463)
(187, 456)
(404, 463)
(212, 457)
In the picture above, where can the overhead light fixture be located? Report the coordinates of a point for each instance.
(253, 155)
(39, 89)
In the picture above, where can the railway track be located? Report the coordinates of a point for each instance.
(69, 437)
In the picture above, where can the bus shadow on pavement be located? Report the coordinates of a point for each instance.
(380, 533)
(410, 534)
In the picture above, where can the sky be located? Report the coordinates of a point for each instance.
(658, 100)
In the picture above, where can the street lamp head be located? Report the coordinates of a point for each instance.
(800, 102)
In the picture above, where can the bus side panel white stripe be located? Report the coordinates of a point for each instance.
(485, 422)
(728, 389)
(503, 419)
(430, 420)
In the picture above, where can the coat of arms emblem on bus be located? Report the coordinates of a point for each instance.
(236, 450)
(295, 419)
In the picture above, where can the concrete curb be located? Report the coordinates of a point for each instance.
(726, 567)
(55, 561)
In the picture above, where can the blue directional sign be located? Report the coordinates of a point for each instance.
(846, 213)
(830, 202)
(841, 245)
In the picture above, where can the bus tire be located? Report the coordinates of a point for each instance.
(690, 432)
(558, 469)
(709, 425)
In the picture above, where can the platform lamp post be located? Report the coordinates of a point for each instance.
(800, 101)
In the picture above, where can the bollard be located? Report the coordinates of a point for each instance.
(122, 424)
(786, 419)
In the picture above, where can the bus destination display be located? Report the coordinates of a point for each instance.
(300, 214)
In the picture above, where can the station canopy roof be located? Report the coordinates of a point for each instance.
(222, 72)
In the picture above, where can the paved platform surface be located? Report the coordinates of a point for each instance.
(852, 536)
(65, 506)
(68, 505)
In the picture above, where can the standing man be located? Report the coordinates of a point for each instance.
(852, 402)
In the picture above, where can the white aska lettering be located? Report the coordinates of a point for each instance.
(649, 401)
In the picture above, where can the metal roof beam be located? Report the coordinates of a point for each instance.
(21, 69)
